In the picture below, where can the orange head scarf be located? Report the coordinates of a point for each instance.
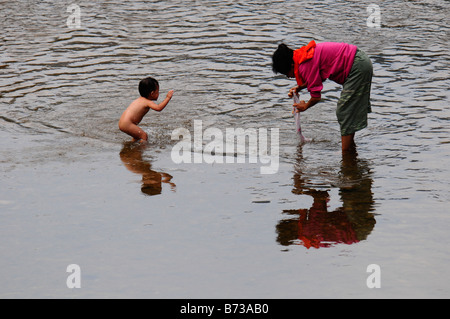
(301, 55)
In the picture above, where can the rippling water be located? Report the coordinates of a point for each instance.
(63, 90)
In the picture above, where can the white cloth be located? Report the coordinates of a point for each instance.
(297, 118)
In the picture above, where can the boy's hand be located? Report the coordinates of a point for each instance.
(170, 94)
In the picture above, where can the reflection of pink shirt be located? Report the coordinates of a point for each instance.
(332, 61)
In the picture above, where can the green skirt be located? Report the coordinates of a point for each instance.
(354, 103)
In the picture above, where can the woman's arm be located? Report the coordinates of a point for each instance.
(303, 106)
(296, 89)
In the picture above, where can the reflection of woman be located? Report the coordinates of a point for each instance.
(131, 156)
(317, 227)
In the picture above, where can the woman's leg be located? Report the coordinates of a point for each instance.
(354, 102)
(348, 142)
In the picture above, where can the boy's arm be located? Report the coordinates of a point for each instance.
(159, 107)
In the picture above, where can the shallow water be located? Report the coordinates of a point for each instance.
(140, 225)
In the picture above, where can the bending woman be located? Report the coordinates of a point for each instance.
(342, 63)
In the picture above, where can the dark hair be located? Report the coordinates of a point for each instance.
(282, 59)
(147, 86)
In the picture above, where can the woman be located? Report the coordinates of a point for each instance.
(342, 63)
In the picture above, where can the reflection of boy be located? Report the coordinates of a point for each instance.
(133, 115)
(342, 63)
(131, 156)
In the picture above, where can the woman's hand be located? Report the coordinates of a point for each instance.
(296, 89)
(301, 106)
(293, 90)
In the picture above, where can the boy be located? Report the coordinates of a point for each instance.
(342, 63)
(149, 91)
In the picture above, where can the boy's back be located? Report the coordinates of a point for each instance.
(136, 111)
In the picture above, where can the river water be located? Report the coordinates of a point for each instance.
(138, 224)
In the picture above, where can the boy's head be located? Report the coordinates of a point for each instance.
(148, 86)
(283, 60)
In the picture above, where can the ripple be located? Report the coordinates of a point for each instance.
(217, 57)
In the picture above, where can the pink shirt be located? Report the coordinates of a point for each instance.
(332, 61)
